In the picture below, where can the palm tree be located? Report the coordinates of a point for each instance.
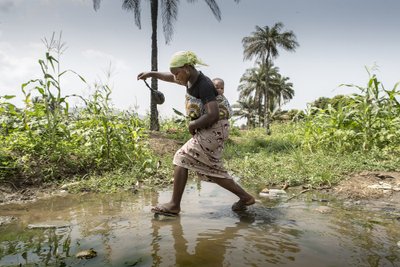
(244, 108)
(263, 44)
(280, 89)
(252, 83)
(285, 90)
(169, 14)
(281, 92)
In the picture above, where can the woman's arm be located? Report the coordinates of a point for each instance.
(164, 76)
(206, 120)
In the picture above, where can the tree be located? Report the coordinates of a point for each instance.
(280, 88)
(263, 44)
(252, 89)
(244, 109)
(169, 14)
(252, 84)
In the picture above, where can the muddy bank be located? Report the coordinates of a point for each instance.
(371, 186)
(9, 194)
(375, 188)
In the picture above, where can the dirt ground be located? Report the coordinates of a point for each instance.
(162, 145)
(370, 185)
(367, 186)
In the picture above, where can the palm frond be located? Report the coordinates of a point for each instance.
(263, 43)
(169, 9)
(96, 4)
(133, 6)
(214, 8)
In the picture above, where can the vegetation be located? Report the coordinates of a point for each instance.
(262, 160)
(45, 141)
(263, 44)
(361, 122)
(252, 93)
(345, 134)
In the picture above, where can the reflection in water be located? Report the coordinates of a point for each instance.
(40, 246)
(210, 247)
(371, 233)
(122, 230)
(244, 243)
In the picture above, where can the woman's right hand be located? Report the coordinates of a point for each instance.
(143, 75)
(164, 76)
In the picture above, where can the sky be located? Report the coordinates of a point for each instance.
(337, 40)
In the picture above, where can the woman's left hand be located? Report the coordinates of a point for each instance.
(192, 127)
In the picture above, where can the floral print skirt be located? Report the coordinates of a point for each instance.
(203, 152)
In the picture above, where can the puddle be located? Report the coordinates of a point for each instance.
(123, 232)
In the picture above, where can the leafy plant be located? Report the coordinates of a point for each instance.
(177, 126)
(46, 141)
(364, 121)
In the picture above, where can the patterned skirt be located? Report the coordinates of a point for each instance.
(203, 152)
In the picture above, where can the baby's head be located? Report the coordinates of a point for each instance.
(219, 85)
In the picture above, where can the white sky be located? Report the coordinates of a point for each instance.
(337, 38)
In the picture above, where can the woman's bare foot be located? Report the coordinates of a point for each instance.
(242, 204)
(165, 209)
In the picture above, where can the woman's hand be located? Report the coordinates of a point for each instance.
(144, 75)
(192, 127)
(206, 120)
(164, 76)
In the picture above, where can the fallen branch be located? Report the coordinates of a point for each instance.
(8, 182)
(302, 192)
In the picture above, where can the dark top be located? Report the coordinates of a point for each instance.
(203, 89)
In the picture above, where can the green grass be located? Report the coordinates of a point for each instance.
(261, 160)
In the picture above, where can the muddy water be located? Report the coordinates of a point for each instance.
(122, 230)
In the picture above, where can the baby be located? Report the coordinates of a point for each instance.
(219, 85)
(225, 110)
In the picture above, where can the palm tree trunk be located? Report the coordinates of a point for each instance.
(267, 116)
(154, 123)
(260, 111)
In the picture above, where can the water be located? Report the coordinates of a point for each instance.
(123, 231)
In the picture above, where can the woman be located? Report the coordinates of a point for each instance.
(209, 128)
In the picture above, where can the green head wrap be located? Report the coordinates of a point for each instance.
(182, 58)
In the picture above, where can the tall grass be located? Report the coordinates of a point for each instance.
(46, 140)
(260, 160)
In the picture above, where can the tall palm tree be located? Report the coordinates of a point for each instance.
(169, 14)
(252, 83)
(263, 44)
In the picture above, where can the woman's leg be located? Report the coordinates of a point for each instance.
(245, 199)
(174, 205)
(180, 179)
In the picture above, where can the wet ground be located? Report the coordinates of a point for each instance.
(308, 230)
